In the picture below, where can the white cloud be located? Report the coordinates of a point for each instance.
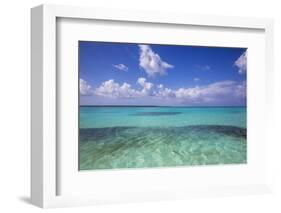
(203, 67)
(121, 67)
(164, 92)
(196, 79)
(85, 88)
(241, 63)
(241, 90)
(215, 92)
(112, 89)
(147, 86)
(218, 92)
(151, 62)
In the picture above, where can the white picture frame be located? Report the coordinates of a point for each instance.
(45, 168)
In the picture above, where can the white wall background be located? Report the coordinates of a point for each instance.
(15, 98)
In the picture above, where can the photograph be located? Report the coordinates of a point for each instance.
(147, 105)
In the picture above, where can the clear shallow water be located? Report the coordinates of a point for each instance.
(138, 137)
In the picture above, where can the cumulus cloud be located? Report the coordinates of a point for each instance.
(241, 63)
(212, 93)
(218, 92)
(113, 89)
(121, 67)
(164, 92)
(85, 88)
(151, 62)
(147, 86)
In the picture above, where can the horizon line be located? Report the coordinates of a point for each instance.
(90, 105)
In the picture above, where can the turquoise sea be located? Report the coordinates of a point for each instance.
(140, 137)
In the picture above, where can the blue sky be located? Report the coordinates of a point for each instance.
(150, 74)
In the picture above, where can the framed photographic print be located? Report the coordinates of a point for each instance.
(130, 105)
(146, 112)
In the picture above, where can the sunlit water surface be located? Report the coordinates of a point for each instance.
(139, 137)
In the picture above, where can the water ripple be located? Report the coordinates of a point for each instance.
(138, 147)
